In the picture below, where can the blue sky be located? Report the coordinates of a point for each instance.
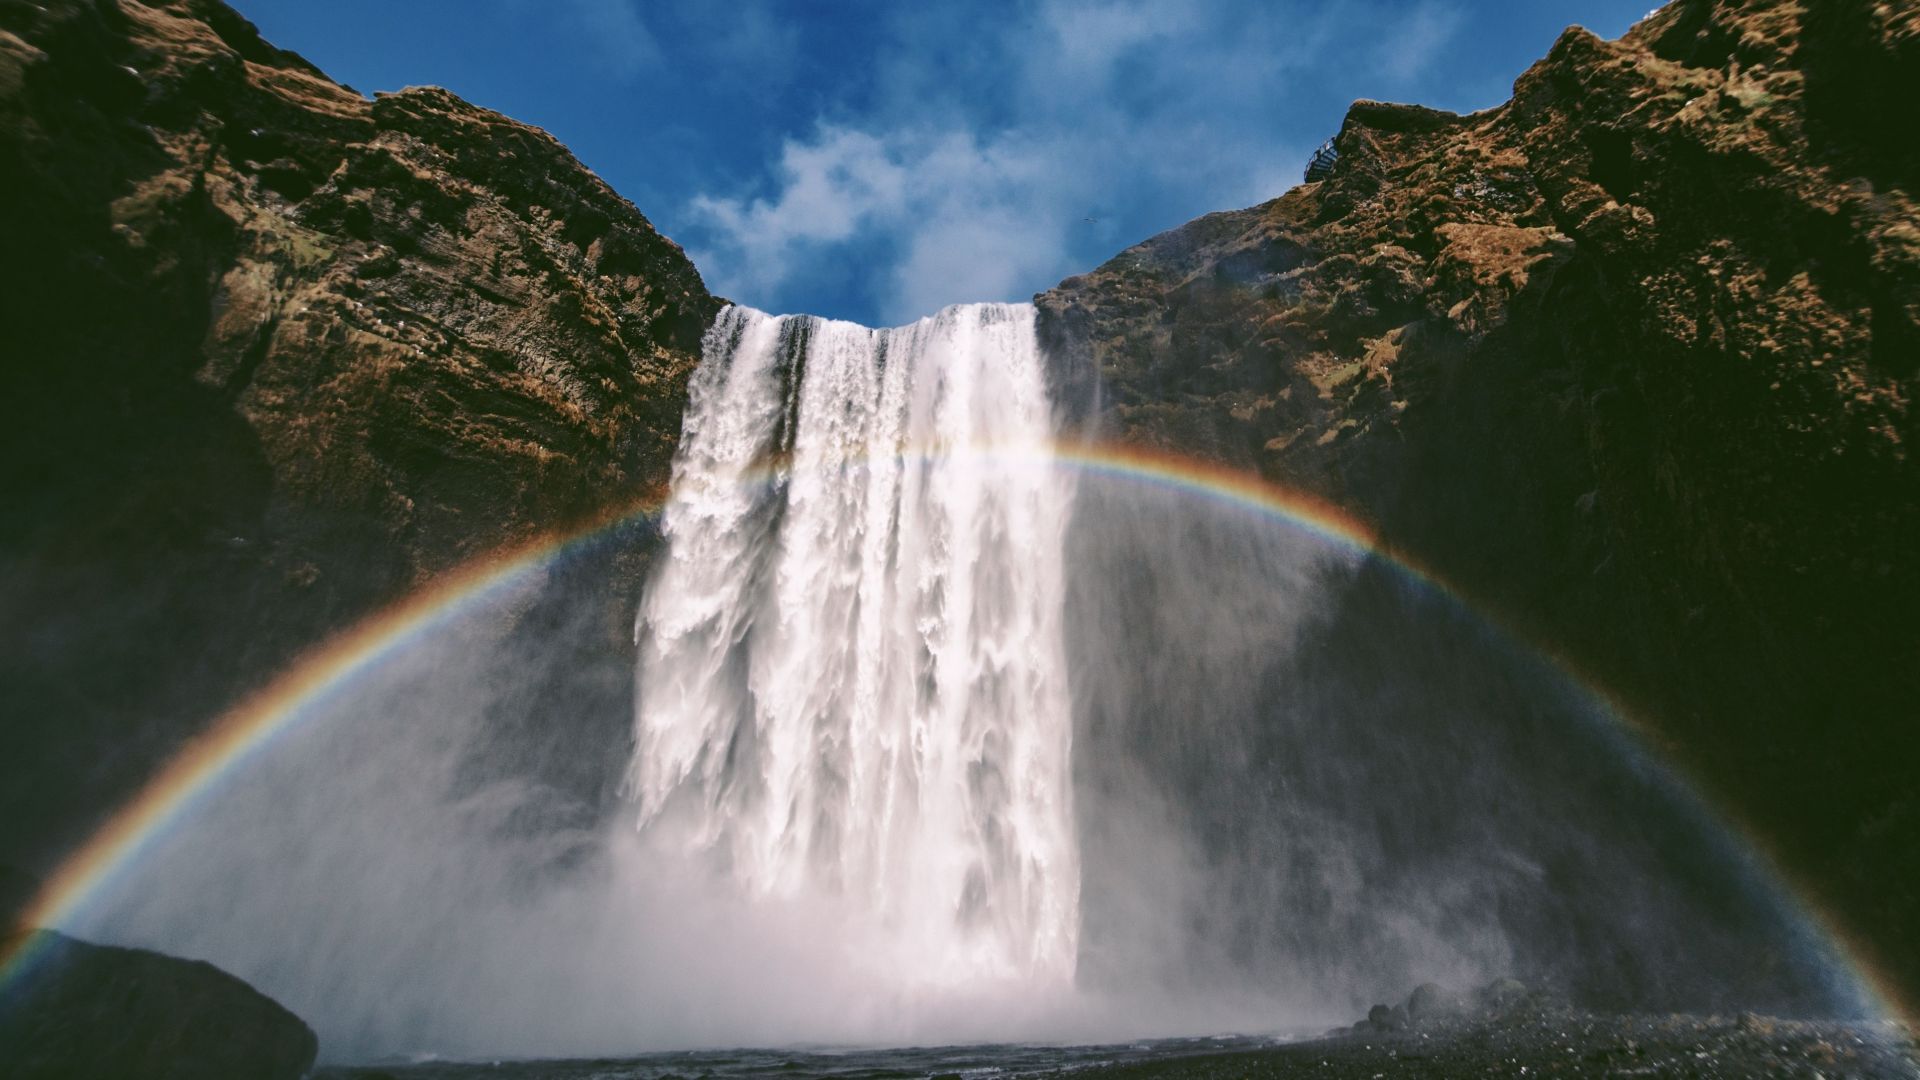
(876, 161)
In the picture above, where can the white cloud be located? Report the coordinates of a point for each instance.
(971, 169)
(969, 220)
(986, 228)
(830, 187)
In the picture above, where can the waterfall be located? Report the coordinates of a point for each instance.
(852, 674)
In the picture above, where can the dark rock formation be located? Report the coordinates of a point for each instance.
(275, 354)
(1384, 1018)
(17, 890)
(1563, 1042)
(1432, 1007)
(1500, 995)
(102, 1012)
(1629, 359)
(1431, 1001)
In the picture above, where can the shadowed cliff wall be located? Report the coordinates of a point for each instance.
(1629, 359)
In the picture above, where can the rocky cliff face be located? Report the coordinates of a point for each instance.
(1631, 360)
(274, 354)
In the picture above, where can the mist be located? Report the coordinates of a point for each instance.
(1306, 776)
(1301, 782)
(395, 868)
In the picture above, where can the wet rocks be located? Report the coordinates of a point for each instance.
(1561, 1042)
(1432, 1005)
(1431, 1001)
(1385, 1018)
(1501, 995)
(96, 1011)
(1506, 1027)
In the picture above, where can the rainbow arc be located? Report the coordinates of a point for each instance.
(169, 796)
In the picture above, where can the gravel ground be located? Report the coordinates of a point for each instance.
(1564, 1043)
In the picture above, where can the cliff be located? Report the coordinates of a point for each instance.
(1631, 360)
(275, 353)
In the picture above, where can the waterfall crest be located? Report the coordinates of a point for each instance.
(852, 673)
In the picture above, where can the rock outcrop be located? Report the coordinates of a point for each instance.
(275, 354)
(1432, 1006)
(98, 1011)
(1631, 360)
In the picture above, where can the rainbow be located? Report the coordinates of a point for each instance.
(278, 705)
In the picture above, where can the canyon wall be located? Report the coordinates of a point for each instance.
(275, 354)
(1630, 361)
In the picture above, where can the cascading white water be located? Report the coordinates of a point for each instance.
(854, 719)
(852, 670)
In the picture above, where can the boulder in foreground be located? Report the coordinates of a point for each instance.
(97, 1011)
